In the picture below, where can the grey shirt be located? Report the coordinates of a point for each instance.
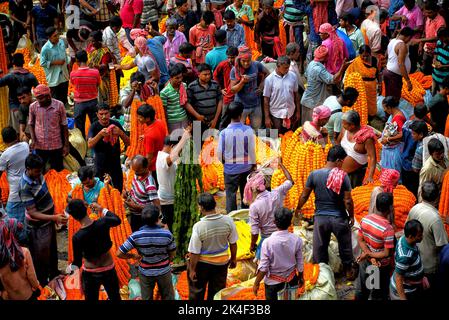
(434, 235)
(13, 162)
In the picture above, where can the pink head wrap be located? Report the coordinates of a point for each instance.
(141, 44)
(41, 90)
(321, 112)
(326, 28)
(138, 33)
(389, 179)
(321, 53)
(254, 184)
(335, 180)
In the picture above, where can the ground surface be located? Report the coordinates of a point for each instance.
(345, 290)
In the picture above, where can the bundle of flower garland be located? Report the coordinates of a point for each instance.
(264, 153)
(71, 90)
(355, 81)
(158, 106)
(415, 96)
(425, 81)
(4, 102)
(300, 159)
(111, 199)
(113, 89)
(403, 201)
(33, 67)
(4, 186)
(4, 7)
(213, 170)
(444, 201)
(376, 176)
(310, 275)
(59, 188)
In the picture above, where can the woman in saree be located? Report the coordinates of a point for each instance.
(366, 65)
(392, 135)
(100, 57)
(314, 130)
(336, 47)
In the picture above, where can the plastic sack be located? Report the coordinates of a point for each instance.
(244, 240)
(134, 290)
(243, 290)
(380, 110)
(244, 270)
(427, 97)
(325, 286)
(406, 108)
(356, 250)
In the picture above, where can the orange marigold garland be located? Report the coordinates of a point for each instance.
(5, 187)
(355, 80)
(404, 200)
(444, 201)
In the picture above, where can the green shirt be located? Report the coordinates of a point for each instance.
(244, 10)
(170, 100)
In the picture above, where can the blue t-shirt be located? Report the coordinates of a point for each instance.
(44, 18)
(156, 46)
(247, 96)
(215, 56)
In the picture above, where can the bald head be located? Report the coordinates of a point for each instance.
(139, 164)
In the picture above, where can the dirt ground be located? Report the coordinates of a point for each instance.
(345, 290)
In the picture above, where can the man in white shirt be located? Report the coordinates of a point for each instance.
(115, 35)
(281, 98)
(336, 104)
(371, 29)
(166, 173)
(12, 161)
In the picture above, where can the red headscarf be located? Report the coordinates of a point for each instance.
(389, 179)
(244, 53)
(320, 54)
(41, 90)
(335, 180)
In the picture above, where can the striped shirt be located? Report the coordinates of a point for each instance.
(235, 37)
(378, 234)
(211, 237)
(295, 10)
(204, 100)
(417, 161)
(441, 55)
(408, 264)
(245, 10)
(47, 123)
(35, 192)
(150, 12)
(170, 100)
(86, 81)
(143, 191)
(154, 245)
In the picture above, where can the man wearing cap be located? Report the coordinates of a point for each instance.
(54, 60)
(318, 79)
(174, 39)
(48, 128)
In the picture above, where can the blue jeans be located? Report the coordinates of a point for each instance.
(259, 247)
(128, 35)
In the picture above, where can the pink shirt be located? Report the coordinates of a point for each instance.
(431, 28)
(47, 123)
(280, 255)
(129, 9)
(415, 18)
(261, 211)
(171, 48)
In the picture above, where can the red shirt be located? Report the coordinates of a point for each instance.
(129, 9)
(86, 81)
(222, 75)
(378, 234)
(153, 140)
(430, 31)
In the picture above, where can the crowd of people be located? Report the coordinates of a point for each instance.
(230, 70)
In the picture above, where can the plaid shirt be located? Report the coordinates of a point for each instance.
(104, 14)
(47, 123)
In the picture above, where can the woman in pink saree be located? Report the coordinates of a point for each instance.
(337, 49)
